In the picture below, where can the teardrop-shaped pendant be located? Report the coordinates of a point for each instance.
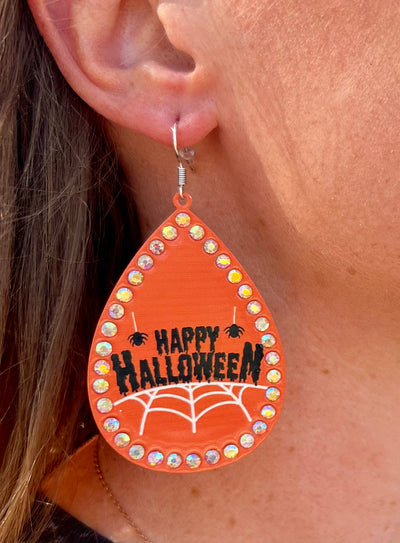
(186, 369)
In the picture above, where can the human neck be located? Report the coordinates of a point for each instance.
(337, 319)
(320, 459)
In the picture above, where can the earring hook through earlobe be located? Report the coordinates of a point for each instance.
(181, 168)
(175, 143)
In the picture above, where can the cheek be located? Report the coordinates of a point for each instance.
(308, 102)
(340, 187)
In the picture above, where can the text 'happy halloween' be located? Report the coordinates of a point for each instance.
(183, 356)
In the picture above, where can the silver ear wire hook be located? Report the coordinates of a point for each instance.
(188, 155)
(181, 168)
(175, 142)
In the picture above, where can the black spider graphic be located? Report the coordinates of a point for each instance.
(138, 338)
(234, 330)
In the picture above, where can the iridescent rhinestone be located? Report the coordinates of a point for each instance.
(272, 394)
(182, 219)
(155, 458)
(212, 456)
(122, 440)
(124, 294)
(169, 232)
(197, 232)
(109, 329)
(254, 307)
(104, 405)
(245, 291)
(262, 324)
(156, 247)
(268, 411)
(268, 340)
(235, 276)
(102, 367)
(135, 277)
(136, 452)
(259, 427)
(116, 311)
(223, 261)
(103, 348)
(247, 441)
(231, 451)
(174, 460)
(274, 376)
(145, 262)
(111, 424)
(210, 246)
(193, 461)
(272, 358)
(100, 386)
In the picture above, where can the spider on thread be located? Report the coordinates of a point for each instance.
(234, 330)
(137, 338)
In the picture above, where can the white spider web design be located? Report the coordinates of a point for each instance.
(232, 394)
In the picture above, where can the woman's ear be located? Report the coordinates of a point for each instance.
(119, 58)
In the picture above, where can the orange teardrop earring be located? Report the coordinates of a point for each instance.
(186, 370)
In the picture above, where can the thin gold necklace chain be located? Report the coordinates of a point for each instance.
(111, 495)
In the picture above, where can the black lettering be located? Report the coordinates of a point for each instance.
(251, 363)
(123, 371)
(201, 336)
(176, 344)
(121, 374)
(233, 359)
(156, 365)
(145, 375)
(162, 341)
(171, 377)
(185, 368)
(219, 366)
(213, 335)
(203, 366)
(187, 337)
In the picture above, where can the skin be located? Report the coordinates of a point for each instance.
(295, 110)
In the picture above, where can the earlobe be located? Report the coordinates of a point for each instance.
(118, 59)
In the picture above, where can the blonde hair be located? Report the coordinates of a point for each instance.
(64, 218)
